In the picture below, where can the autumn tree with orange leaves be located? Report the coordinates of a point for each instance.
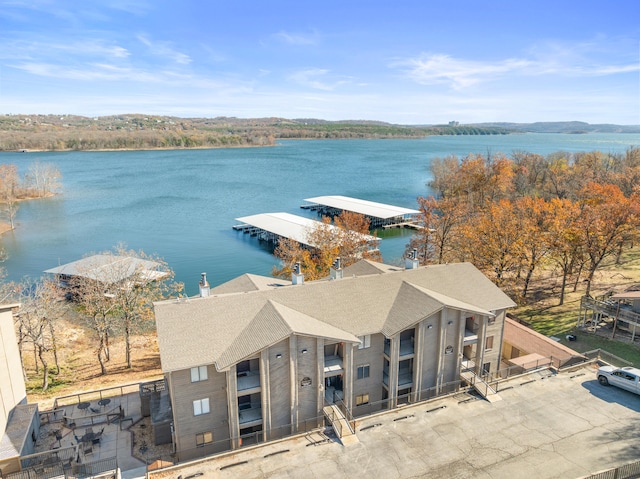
(607, 218)
(347, 238)
(509, 216)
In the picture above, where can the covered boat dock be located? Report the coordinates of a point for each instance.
(273, 226)
(379, 214)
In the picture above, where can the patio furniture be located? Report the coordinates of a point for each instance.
(104, 402)
(83, 406)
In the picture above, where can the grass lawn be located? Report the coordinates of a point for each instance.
(546, 317)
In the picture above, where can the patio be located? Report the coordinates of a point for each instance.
(88, 434)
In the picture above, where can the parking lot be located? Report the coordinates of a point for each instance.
(546, 426)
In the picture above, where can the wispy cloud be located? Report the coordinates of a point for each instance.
(66, 52)
(298, 38)
(588, 59)
(440, 68)
(313, 78)
(164, 49)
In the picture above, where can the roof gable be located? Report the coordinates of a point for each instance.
(248, 282)
(274, 323)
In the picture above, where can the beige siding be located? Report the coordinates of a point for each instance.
(279, 377)
(373, 356)
(307, 368)
(184, 392)
(12, 387)
(450, 370)
(430, 345)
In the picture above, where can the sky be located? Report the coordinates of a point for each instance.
(410, 62)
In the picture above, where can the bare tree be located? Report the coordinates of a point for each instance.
(149, 281)
(43, 179)
(40, 310)
(115, 291)
(9, 189)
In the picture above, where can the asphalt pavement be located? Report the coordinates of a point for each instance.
(547, 425)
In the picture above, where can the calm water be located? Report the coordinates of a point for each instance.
(182, 205)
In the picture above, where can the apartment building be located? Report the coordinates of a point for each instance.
(264, 355)
(19, 425)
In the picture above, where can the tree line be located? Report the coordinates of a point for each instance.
(511, 215)
(68, 132)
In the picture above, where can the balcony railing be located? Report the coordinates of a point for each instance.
(470, 337)
(251, 416)
(405, 378)
(248, 380)
(333, 366)
(407, 347)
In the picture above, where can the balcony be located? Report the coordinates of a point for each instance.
(470, 337)
(405, 378)
(249, 382)
(407, 347)
(333, 366)
(250, 416)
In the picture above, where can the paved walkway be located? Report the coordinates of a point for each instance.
(547, 426)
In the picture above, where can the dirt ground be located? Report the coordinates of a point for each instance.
(80, 369)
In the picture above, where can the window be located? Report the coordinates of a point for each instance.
(491, 320)
(199, 374)
(204, 438)
(362, 399)
(363, 371)
(201, 406)
(365, 341)
(488, 344)
(448, 350)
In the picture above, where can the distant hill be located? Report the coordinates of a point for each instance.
(570, 127)
(139, 131)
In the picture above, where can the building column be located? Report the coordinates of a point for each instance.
(442, 337)
(418, 359)
(293, 375)
(265, 394)
(347, 378)
(320, 374)
(482, 338)
(460, 349)
(232, 405)
(394, 364)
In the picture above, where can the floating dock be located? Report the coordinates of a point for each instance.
(273, 226)
(380, 215)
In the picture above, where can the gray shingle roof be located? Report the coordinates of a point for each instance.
(229, 327)
(249, 282)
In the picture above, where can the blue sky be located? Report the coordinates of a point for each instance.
(407, 62)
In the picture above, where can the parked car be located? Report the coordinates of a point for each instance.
(626, 378)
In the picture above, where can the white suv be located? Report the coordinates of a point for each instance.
(625, 378)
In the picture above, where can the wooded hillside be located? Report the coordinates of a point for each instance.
(135, 131)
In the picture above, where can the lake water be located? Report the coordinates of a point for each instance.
(182, 204)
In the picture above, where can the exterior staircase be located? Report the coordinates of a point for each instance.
(480, 385)
(341, 426)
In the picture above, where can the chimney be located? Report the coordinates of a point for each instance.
(204, 286)
(412, 261)
(336, 269)
(296, 275)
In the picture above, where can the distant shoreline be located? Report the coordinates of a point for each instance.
(67, 150)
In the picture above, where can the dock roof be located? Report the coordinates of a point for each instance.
(364, 207)
(290, 226)
(109, 268)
